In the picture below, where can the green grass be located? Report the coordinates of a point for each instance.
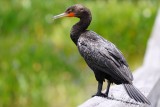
(41, 67)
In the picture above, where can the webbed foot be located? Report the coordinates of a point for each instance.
(100, 95)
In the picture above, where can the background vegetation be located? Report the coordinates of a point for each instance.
(39, 64)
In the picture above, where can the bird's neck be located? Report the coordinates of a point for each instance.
(79, 28)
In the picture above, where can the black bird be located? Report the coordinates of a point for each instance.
(102, 56)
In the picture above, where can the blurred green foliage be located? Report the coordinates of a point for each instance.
(39, 64)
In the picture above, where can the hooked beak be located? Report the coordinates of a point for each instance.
(60, 15)
(64, 15)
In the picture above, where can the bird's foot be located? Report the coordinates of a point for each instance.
(100, 95)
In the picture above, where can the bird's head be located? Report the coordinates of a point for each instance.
(77, 10)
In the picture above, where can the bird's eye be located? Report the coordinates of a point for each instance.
(81, 9)
(70, 10)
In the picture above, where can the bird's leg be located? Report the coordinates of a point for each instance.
(108, 86)
(100, 84)
(99, 93)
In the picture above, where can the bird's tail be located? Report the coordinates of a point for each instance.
(135, 94)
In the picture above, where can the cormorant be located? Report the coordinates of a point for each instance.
(102, 56)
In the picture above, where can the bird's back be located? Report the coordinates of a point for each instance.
(102, 56)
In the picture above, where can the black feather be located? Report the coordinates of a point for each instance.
(135, 94)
